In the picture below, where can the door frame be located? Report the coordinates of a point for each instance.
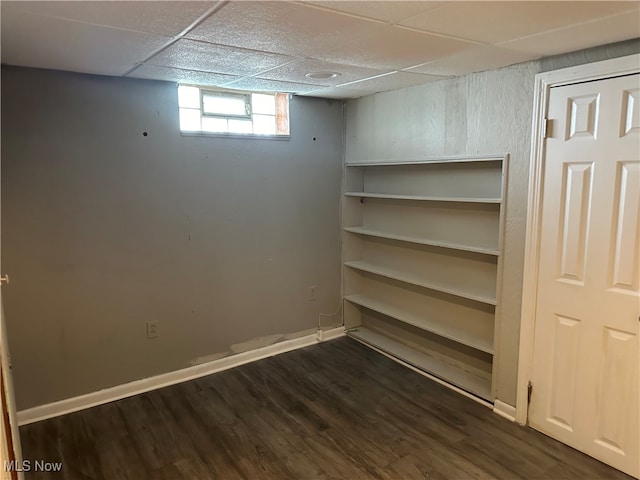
(543, 83)
(10, 446)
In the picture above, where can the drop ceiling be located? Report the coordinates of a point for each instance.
(372, 46)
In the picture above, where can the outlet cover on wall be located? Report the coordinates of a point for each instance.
(152, 329)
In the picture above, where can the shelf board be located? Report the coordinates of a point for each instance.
(420, 322)
(433, 161)
(421, 241)
(474, 384)
(422, 198)
(415, 280)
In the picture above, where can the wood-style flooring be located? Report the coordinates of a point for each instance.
(336, 410)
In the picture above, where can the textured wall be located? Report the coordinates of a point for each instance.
(104, 229)
(481, 113)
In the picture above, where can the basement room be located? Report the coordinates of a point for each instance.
(325, 240)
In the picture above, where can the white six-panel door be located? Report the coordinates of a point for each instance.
(585, 362)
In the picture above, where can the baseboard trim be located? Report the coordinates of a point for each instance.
(504, 410)
(330, 334)
(74, 404)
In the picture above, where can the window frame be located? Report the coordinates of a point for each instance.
(248, 111)
(204, 90)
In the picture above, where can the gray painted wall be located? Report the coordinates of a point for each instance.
(482, 113)
(104, 229)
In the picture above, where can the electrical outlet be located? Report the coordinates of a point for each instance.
(152, 329)
(312, 293)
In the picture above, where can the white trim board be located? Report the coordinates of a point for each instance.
(125, 390)
(543, 83)
(504, 410)
(330, 334)
(427, 160)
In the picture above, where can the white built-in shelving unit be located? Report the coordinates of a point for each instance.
(422, 263)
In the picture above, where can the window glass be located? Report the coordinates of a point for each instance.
(264, 124)
(189, 120)
(188, 97)
(265, 104)
(214, 124)
(240, 126)
(224, 105)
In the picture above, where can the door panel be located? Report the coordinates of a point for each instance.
(582, 116)
(626, 263)
(585, 368)
(573, 227)
(631, 113)
(614, 392)
(565, 362)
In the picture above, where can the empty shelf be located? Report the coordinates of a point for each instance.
(433, 161)
(421, 241)
(422, 198)
(421, 322)
(416, 280)
(463, 379)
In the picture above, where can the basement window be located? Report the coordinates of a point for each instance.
(210, 111)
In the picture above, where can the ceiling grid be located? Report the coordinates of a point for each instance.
(332, 49)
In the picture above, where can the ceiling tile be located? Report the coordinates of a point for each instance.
(165, 18)
(264, 85)
(44, 42)
(155, 72)
(394, 48)
(612, 29)
(392, 81)
(475, 60)
(206, 57)
(281, 27)
(495, 22)
(388, 11)
(338, 93)
(296, 72)
(279, 42)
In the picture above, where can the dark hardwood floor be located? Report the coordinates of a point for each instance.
(337, 410)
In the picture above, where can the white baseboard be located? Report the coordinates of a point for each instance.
(118, 392)
(504, 410)
(330, 334)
